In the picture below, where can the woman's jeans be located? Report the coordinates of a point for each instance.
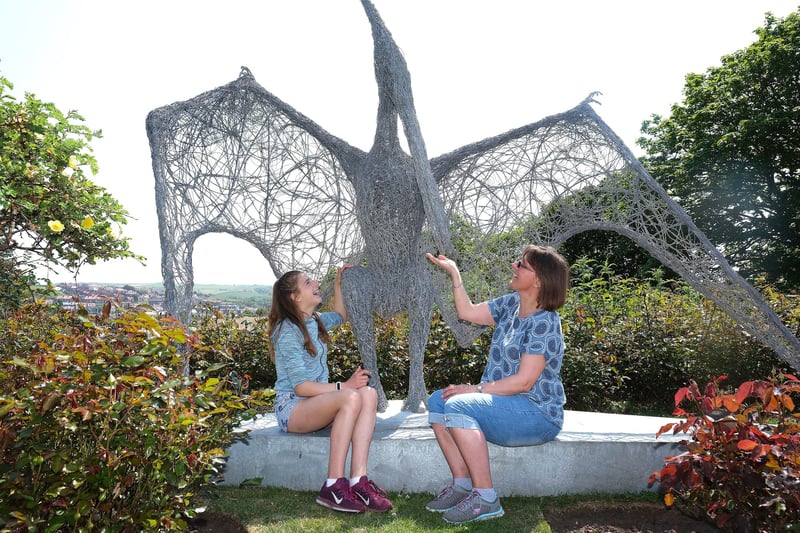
(504, 420)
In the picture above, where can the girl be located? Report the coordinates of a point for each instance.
(305, 402)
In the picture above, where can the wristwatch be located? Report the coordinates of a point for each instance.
(480, 387)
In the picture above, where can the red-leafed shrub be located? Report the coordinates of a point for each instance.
(741, 469)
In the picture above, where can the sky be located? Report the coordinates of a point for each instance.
(478, 68)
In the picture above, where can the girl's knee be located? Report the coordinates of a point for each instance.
(369, 397)
(350, 399)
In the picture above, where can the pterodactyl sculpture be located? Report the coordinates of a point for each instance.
(238, 160)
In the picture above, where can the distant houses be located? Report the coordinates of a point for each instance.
(93, 297)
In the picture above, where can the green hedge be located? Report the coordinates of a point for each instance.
(100, 428)
(630, 345)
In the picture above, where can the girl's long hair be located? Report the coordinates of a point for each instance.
(284, 308)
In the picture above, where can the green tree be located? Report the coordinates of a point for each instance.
(50, 212)
(730, 153)
(610, 249)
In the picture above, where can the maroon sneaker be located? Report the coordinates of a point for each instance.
(340, 497)
(372, 495)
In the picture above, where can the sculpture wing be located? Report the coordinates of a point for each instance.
(495, 190)
(239, 160)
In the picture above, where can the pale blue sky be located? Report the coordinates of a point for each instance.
(478, 68)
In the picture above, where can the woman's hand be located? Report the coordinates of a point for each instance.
(466, 310)
(453, 390)
(448, 265)
(360, 378)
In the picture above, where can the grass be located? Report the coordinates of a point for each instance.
(270, 509)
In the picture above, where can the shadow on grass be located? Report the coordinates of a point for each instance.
(270, 509)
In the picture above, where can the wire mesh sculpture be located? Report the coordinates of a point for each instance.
(238, 160)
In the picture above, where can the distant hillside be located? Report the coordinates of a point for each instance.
(248, 295)
(245, 295)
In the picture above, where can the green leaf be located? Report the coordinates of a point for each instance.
(134, 361)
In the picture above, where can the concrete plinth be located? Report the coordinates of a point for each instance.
(594, 452)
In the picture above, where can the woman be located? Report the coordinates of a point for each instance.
(306, 402)
(520, 399)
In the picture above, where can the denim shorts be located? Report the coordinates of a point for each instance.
(504, 420)
(284, 403)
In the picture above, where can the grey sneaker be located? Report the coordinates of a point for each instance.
(473, 508)
(450, 496)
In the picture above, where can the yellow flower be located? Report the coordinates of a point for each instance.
(669, 499)
(87, 223)
(73, 162)
(55, 225)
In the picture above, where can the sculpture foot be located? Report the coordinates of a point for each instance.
(415, 405)
(383, 403)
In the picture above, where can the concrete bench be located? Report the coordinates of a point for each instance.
(594, 452)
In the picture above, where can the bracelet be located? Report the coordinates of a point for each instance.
(338, 385)
(457, 286)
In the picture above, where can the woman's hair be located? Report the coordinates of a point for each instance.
(553, 271)
(284, 308)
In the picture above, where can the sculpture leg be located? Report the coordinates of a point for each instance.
(358, 289)
(419, 327)
(179, 281)
(179, 288)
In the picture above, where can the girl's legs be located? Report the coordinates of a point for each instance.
(340, 410)
(351, 415)
(362, 432)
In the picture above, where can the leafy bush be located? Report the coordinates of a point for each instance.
(240, 343)
(742, 465)
(447, 362)
(631, 342)
(243, 344)
(99, 427)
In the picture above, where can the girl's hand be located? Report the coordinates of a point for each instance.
(340, 270)
(360, 378)
(338, 302)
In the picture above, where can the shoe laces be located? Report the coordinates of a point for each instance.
(372, 487)
(446, 491)
(342, 490)
(470, 501)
